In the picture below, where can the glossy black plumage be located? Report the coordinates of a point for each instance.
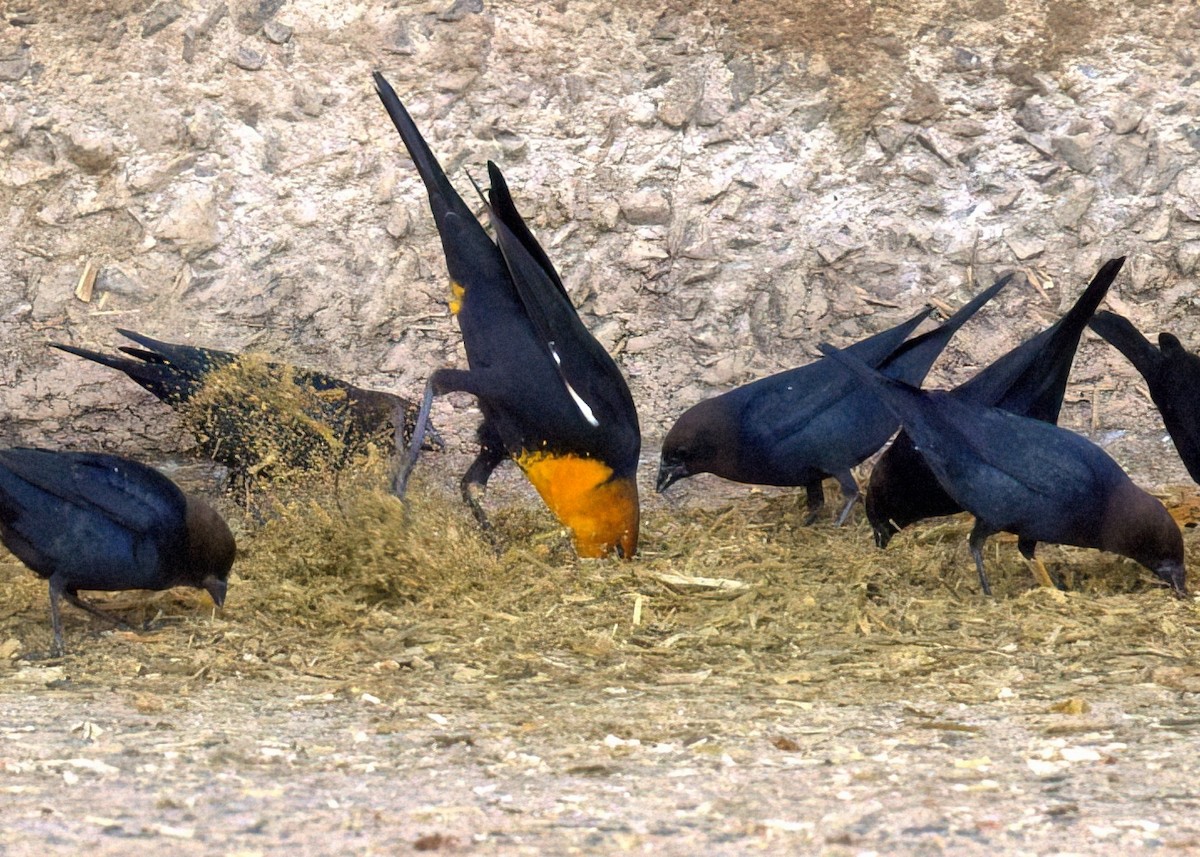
(285, 419)
(1028, 477)
(800, 426)
(552, 398)
(1029, 380)
(100, 522)
(1173, 375)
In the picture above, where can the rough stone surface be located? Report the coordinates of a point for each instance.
(720, 187)
(803, 172)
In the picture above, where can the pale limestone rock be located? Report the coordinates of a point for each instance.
(191, 218)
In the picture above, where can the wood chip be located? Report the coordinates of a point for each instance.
(684, 678)
(87, 282)
(687, 583)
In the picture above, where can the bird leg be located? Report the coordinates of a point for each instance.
(57, 591)
(816, 501)
(73, 598)
(474, 481)
(441, 381)
(57, 649)
(400, 480)
(979, 535)
(849, 491)
(1040, 574)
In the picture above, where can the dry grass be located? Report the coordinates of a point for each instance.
(352, 583)
(283, 429)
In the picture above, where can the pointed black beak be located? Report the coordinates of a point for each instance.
(670, 473)
(216, 588)
(1175, 574)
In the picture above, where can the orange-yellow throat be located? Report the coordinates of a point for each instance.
(601, 512)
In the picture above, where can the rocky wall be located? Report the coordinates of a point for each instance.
(722, 184)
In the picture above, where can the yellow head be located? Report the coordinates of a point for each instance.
(601, 511)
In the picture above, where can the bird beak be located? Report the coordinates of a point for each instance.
(216, 588)
(1175, 574)
(669, 474)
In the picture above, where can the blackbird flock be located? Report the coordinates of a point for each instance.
(555, 402)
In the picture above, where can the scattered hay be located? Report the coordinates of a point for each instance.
(276, 422)
(352, 583)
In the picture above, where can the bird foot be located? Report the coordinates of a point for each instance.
(1042, 576)
(473, 494)
(56, 653)
(844, 515)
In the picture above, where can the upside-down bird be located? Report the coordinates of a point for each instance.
(100, 522)
(260, 417)
(1029, 380)
(800, 426)
(1028, 477)
(1173, 375)
(552, 398)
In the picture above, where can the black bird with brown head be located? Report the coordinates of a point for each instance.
(1029, 380)
(800, 426)
(1030, 478)
(92, 521)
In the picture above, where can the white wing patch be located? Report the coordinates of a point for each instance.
(583, 406)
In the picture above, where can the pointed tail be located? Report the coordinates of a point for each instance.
(1037, 387)
(910, 362)
(470, 253)
(1127, 339)
(162, 379)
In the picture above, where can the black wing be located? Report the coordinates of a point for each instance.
(99, 521)
(588, 371)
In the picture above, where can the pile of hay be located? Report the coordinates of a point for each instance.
(337, 583)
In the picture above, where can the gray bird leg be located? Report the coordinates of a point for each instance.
(849, 491)
(474, 481)
(56, 649)
(979, 535)
(74, 599)
(400, 481)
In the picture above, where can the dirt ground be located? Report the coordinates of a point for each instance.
(383, 681)
(723, 185)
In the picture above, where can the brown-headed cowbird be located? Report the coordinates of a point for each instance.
(1029, 380)
(1173, 375)
(1030, 478)
(258, 417)
(100, 522)
(552, 398)
(800, 426)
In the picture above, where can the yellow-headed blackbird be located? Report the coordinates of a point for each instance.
(552, 398)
